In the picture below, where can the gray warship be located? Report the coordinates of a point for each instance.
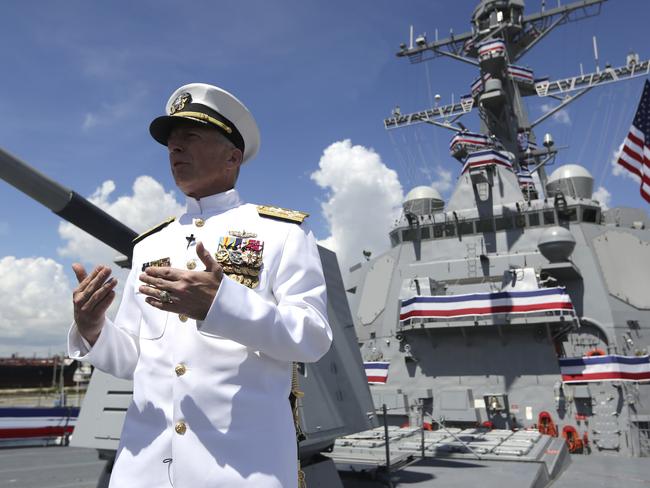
(509, 327)
(470, 351)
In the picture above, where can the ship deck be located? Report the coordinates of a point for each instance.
(49, 467)
(72, 467)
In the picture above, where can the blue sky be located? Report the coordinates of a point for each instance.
(82, 80)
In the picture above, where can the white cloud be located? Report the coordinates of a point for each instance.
(364, 199)
(148, 205)
(561, 116)
(603, 196)
(90, 121)
(38, 312)
(111, 112)
(443, 183)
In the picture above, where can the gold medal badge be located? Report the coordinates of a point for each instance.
(241, 257)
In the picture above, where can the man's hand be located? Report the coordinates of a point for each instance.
(191, 292)
(91, 299)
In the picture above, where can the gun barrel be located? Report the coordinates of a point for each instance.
(67, 204)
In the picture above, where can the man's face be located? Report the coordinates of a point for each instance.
(201, 162)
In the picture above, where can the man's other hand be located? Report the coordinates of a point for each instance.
(91, 299)
(179, 291)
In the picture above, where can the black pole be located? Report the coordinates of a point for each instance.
(422, 429)
(384, 411)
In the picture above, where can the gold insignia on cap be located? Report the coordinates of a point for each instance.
(282, 214)
(204, 118)
(180, 102)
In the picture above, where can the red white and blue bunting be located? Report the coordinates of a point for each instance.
(519, 73)
(376, 371)
(491, 49)
(611, 367)
(483, 304)
(489, 157)
(469, 140)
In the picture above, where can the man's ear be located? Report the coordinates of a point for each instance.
(236, 158)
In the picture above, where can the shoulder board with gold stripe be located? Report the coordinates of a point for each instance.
(285, 214)
(154, 229)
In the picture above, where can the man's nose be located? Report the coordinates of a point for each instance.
(174, 145)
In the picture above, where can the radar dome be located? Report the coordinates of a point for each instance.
(571, 179)
(423, 200)
(556, 244)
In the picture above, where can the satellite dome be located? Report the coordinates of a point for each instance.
(571, 179)
(556, 244)
(423, 200)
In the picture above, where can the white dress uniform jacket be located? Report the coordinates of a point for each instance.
(210, 398)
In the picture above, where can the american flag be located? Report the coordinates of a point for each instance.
(635, 155)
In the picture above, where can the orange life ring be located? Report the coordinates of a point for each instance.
(546, 424)
(596, 352)
(573, 441)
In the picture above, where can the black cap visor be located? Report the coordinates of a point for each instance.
(161, 127)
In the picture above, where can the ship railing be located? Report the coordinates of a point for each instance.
(550, 317)
(441, 423)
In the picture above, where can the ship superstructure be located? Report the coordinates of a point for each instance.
(519, 304)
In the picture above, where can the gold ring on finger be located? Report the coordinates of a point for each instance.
(165, 297)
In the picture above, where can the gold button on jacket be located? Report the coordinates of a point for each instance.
(199, 222)
(180, 428)
(191, 264)
(182, 317)
(180, 369)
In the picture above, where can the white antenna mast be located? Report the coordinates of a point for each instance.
(596, 54)
(411, 38)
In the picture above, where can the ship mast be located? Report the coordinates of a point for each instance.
(501, 35)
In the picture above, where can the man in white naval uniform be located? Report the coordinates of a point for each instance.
(217, 306)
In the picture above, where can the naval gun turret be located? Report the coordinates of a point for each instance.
(336, 401)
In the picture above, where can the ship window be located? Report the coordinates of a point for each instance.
(465, 228)
(572, 214)
(394, 238)
(503, 223)
(408, 235)
(549, 217)
(437, 231)
(485, 225)
(520, 221)
(589, 214)
(533, 219)
(426, 232)
(450, 230)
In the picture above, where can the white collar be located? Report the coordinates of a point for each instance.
(214, 203)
